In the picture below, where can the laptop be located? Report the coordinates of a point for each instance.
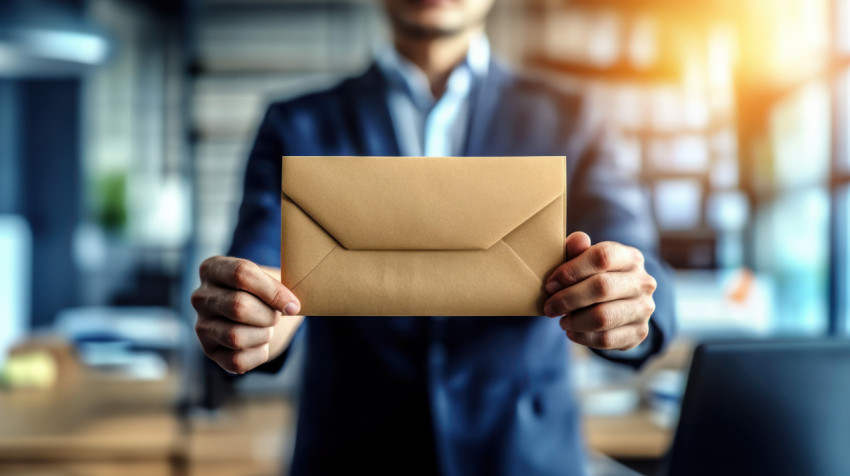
(778, 408)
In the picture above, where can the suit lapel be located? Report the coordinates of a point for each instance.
(482, 138)
(370, 115)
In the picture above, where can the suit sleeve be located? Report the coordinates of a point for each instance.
(607, 201)
(257, 234)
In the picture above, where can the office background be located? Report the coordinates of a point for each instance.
(125, 126)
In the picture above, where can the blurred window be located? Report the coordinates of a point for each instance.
(732, 131)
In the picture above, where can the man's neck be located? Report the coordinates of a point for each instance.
(437, 57)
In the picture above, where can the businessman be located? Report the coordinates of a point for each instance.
(442, 395)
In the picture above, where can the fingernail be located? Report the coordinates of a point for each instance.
(291, 309)
(553, 286)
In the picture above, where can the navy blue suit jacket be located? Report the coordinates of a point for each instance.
(455, 396)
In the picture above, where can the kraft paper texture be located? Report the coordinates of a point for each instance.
(422, 236)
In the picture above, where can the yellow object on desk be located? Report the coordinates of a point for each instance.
(29, 370)
(87, 423)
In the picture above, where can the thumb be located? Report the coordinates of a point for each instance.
(576, 244)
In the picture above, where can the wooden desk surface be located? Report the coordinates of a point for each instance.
(635, 436)
(96, 426)
(249, 436)
(627, 436)
(91, 424)
(89, 416)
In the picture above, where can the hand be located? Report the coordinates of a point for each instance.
(603, 293)
(238, 307)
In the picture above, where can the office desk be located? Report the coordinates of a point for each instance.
(95, 425)
(631, 436)
(251, 436)
(634, 436)
(90, 424)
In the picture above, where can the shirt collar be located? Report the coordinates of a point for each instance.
(401, 73)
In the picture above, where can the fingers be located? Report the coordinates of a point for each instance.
(620, 338)
(604, 294)
(596, 289)
(237, 348)
(238, 306)
(599, 258)
(239, 361)
(221, 332)
(244, 275)
(609, 315)
(576, 243)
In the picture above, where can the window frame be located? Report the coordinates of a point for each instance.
(839, 183)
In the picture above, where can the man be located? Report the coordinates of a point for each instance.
(426, 395)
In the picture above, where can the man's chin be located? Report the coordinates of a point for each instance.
(431, 31)
(433, 3)
(433, 25)
(433, 18)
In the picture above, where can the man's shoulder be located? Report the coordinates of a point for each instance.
(322, 99)
(538, 85)
(308, 102)
(541, 94)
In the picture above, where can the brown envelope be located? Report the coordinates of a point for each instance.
(422, 236)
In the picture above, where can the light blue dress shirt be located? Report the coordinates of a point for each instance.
(425, 125)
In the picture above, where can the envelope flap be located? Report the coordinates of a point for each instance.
(422, 203)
